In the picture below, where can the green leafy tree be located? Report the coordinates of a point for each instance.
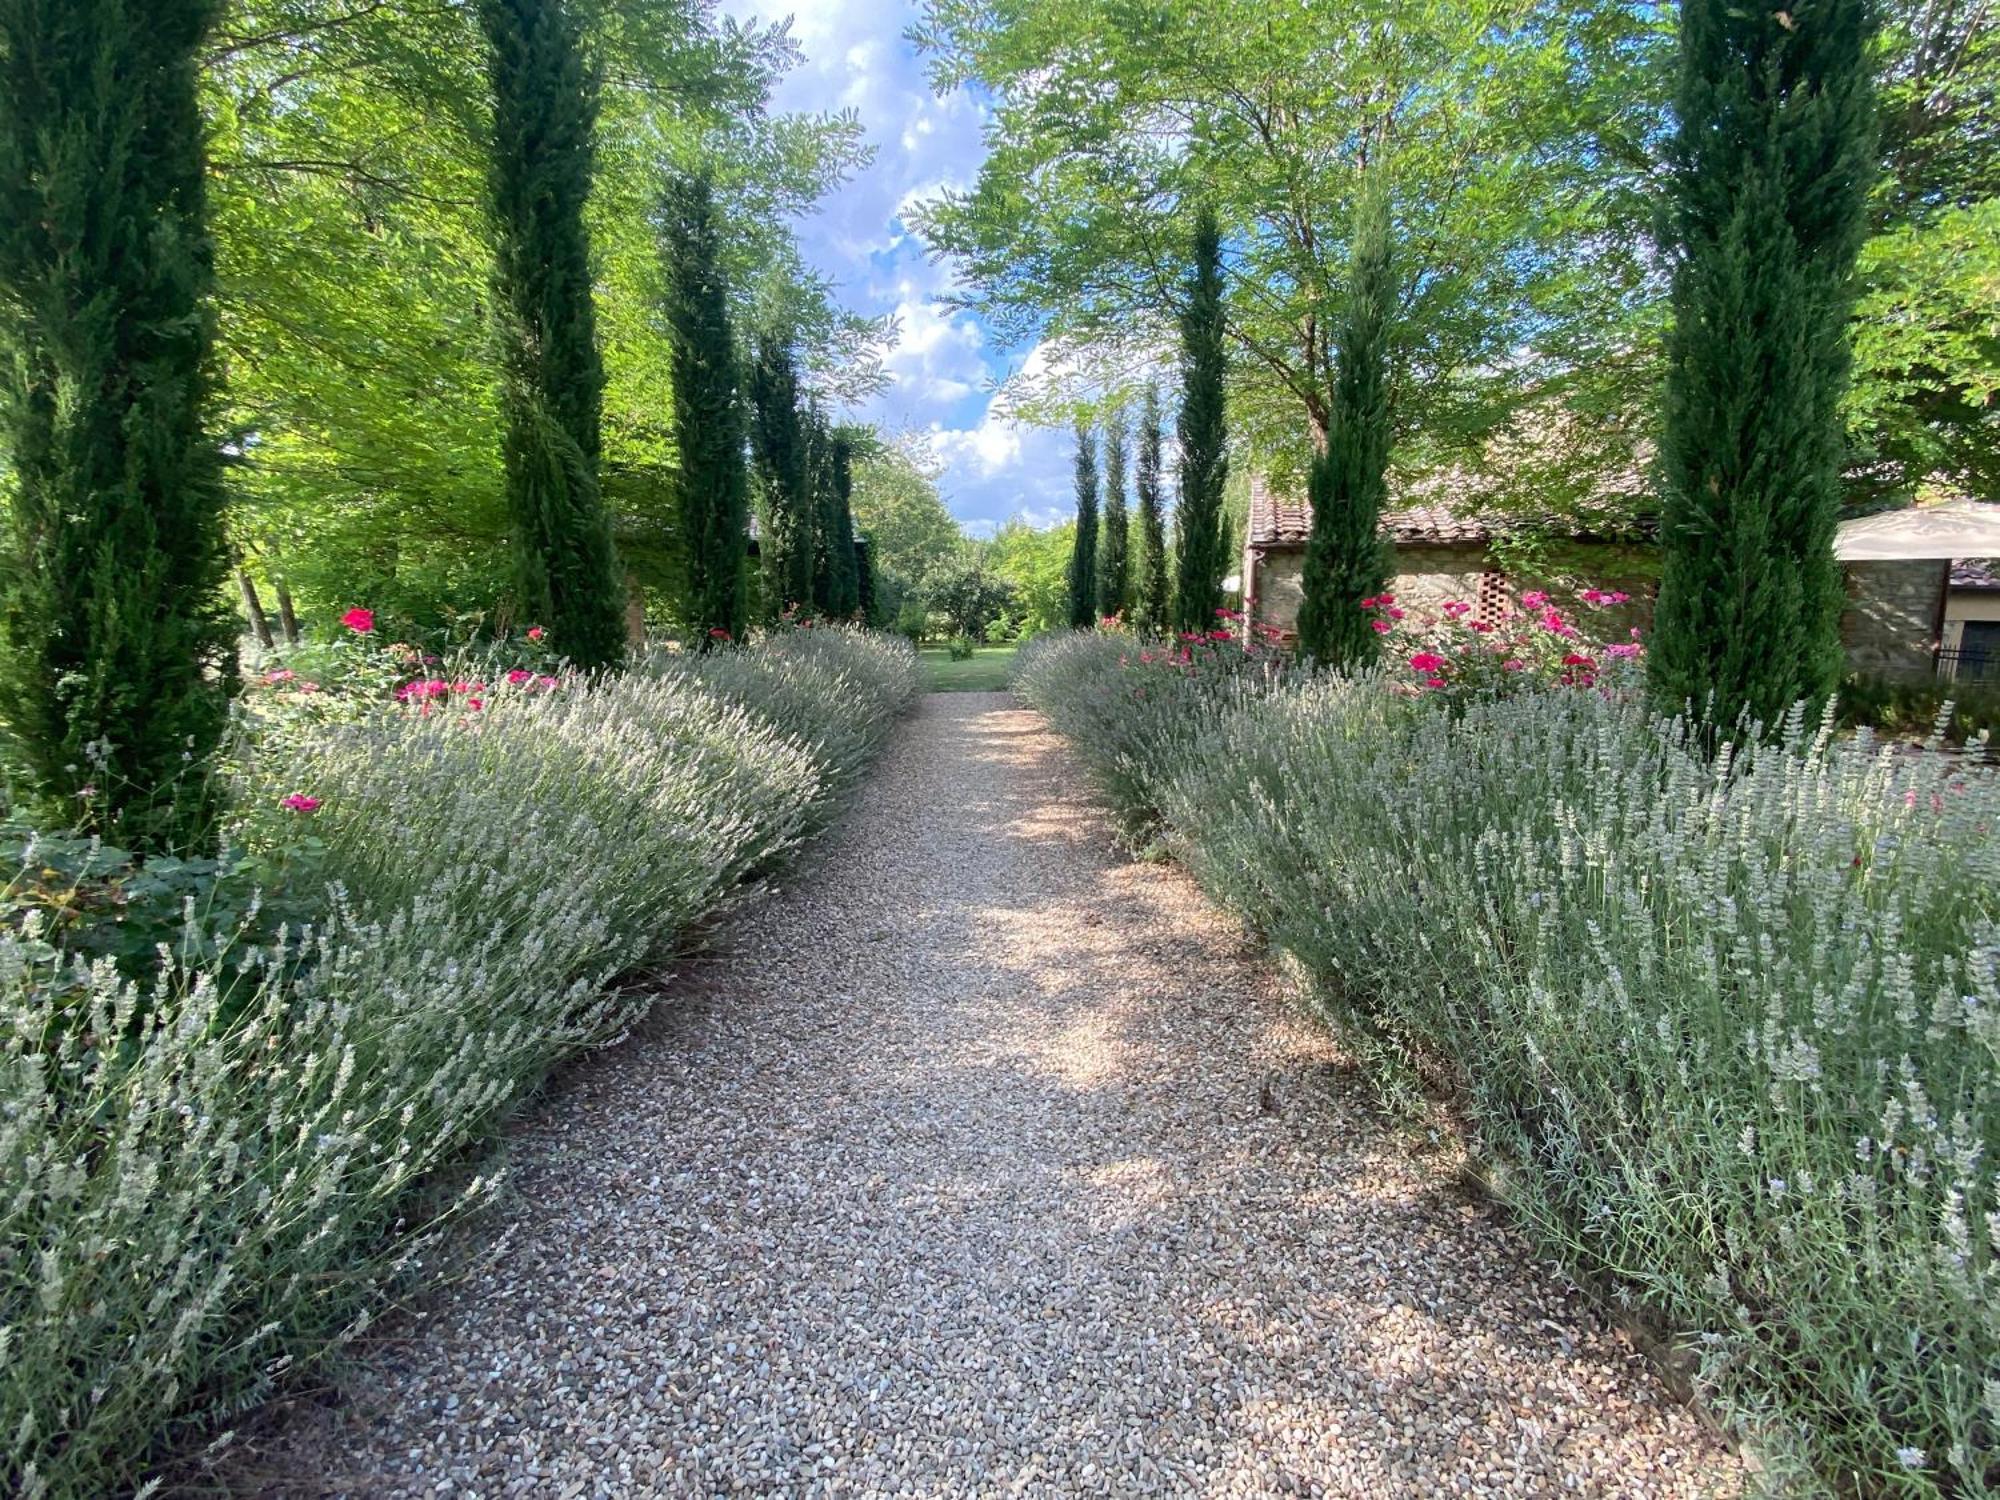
(968, 596)
(778, 440)
(1349, 480)
(708, 419)
(1083, 552)
(544, 118)
(1771, 169)
(1522, 142)
(1151, 600)
(896, 502)
(1114, 562)
(1034, 561)
(1204, 436)
(120, 652)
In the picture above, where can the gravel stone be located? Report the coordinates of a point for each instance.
(980, 1160)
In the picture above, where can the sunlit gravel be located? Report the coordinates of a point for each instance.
(979, 1160)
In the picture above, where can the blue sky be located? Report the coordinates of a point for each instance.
(943, 364)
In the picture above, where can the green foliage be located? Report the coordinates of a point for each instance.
(1151, 600)
(708, 419)
(1204, 436)
(566, 574)
(1522, 138)
(1346, 561)
(836, 584)
(1034, 562)
(119, 649)
(1771, 172)
(278, 1140)
(967, 597)
(1083, 547)
(896, 503)
(1702, 1021)
(778, 442)
(1114, 557)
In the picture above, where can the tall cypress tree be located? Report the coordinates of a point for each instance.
(1150, 597)
(708, 417)
(1083, 552)
(840, 595)
(1114, 562)
(120, 648)
(1771, 169)
(778, 445)
(544, 155)
(1204, 436)
(1349, 483)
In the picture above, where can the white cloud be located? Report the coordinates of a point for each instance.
(856, 57)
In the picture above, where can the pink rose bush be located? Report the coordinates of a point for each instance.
(1535, 645)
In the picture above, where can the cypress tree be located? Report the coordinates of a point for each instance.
(1770, 173)
(842, 593)
(544, 151)
(778, 445)
(1083, 552)
(1150, 598)
(1114, 564)
(708, 420)
(120, 648)
(1204, 436)
(1349, 483)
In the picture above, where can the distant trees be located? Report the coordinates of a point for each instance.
(538, 186)
(1151, 600)
(1203, 434)
(120, 653)
(836, 576)
(1771, 172)
(1348, 482)
(1083, 552)
(708, 416)
(1114, 560)
(784, 481)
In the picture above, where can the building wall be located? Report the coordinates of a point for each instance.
(1961, 605)
(1890, 627)
(1427, 577)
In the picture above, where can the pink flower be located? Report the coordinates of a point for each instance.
(1369, 602)
(1458, 609)
(1534, 599)
(1592, 596)
(548, 682)
(1396, 614)
(1381, 627)
(717, 633)
(1616, 596)
(520, 675)
(1623, 651)
(1513, 664)
(360, 621)
(1436, 682)
(299, 802)
(535, 632)
(283, 674)
(1578, 659)
(308, 687)
(1427, 661)
(1482, 626)
(1386, 599)
(474, 704)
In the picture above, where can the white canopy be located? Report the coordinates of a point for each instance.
(1958, 528)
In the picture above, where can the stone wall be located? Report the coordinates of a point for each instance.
(1891, 622)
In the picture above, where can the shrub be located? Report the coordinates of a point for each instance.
(214, 1171)
(1726, 1030)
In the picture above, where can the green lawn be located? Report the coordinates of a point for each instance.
(985, 672)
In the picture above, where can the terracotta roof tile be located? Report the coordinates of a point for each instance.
(1282, 521)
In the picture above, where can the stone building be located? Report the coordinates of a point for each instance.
(1923, 584)
(1439, 557)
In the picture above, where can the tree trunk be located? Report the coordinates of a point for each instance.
(260, 624)
(287, 620)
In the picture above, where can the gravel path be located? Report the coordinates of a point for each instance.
(982, 1161)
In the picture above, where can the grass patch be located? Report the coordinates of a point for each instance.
(985, 671)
